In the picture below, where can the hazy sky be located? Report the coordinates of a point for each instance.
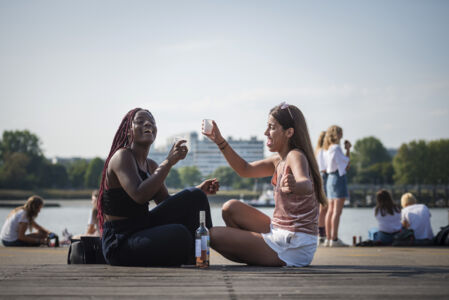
(70, 70)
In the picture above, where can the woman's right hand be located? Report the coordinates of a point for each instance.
(215, 135)
(177, 152)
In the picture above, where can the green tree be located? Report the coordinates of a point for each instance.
(13, 172)
(411, 163)
(369, 161)
(173, 179)
(92, 177)
(76, 172)
(439, 162)
(368, 151)
(243, 183)
(190, 176)
(226, 176)
(20, 150)
(20, 141)
(52, 175)
(378, 173)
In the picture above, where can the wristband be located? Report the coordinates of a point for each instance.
(222, 148)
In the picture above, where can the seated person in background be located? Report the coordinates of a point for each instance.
(92, 224)
(21, 218)
(388, 216)
(417, 217)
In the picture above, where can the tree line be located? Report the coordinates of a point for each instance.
(23, 166)
(416, 162)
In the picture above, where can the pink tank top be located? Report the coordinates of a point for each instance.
(296, 213)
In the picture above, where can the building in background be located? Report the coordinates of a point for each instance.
(205, 155)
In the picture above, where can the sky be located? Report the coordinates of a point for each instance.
(70, 70)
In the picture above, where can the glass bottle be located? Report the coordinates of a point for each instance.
(202, 243)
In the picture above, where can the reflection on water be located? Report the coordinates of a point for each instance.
(74, 217)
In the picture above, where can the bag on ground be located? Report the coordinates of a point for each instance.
(405, 237)
(442, 237)
(87, 250)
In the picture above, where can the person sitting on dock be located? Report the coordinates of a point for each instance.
(133, 235)
(388, 216)
(92, 224)
(417, 217)
(20, 219)
(290, 237)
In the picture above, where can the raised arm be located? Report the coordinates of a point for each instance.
(260, 168)
(124, 168)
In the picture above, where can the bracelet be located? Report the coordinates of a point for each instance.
(222, 148)
(224, 141)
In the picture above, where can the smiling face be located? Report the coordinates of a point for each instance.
(144, 127)
(277, 137)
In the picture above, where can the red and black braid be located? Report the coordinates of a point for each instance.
(123, 138)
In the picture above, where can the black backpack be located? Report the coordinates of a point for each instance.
(87, 250)
(442, 238)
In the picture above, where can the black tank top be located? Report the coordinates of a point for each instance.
(116, 202)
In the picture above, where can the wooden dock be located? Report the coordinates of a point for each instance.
(336, 273)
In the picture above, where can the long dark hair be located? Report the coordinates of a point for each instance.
(289, 116)
(123, 138)
(385, 204)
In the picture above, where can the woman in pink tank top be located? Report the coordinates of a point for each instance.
(290, 236)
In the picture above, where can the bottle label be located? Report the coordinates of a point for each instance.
(204, 242)
(198, 247)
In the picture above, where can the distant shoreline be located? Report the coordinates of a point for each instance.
(70, 194)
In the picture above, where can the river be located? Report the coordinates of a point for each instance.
(74, 214)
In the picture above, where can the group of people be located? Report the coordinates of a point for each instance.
(391, 219)
(134, 235)
(333, 164)
(23, 218)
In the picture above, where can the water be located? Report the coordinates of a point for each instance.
(74, 215)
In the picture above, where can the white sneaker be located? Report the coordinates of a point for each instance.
(327, 243)
(321, 241)
(337, 243)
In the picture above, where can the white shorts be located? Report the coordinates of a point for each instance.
(296, 249)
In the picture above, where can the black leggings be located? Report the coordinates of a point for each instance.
(165, 238)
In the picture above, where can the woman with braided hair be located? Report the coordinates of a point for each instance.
(133, 235)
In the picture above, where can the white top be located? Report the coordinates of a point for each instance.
(92, 219)
(335, 160)
(320, 160)
(10, 230)
(388, 223)
(418, 216)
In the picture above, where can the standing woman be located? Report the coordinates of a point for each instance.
(319, 154)
(19, 220)
(290, 237)
(131, 234)
(337, 190)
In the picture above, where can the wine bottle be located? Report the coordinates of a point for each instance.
(202, 243)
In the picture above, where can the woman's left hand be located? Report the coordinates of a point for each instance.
(288, 183)
(209, 186)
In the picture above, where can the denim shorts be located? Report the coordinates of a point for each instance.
(336, 186)
(19, 243)
(324, 178)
